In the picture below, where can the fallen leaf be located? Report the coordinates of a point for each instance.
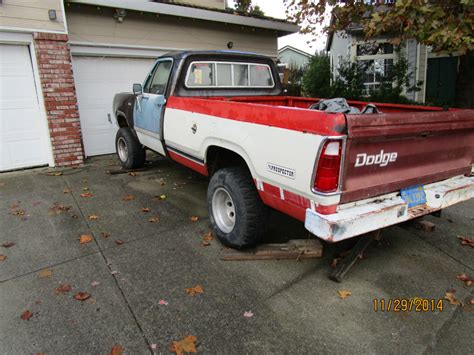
(19, 212)
(105, 234)
(26, 315)
(466, 241)
(471, 301)
(206, 239)
(343, 294)
(119, 242)
(87, 194)
(154, 219)
(132, 173)
(62, 288)
(194, 218)
(82, 296)
(95, 283)
(145, 209)
(85, 189)
(163, 303)
(451, 298)
(67, 191)
(116, 350)
(248, 314)
(8, 244)
(153, 346)
(193, 291)
(45, 273)
(161, 197)
(334, 262)
(58, 209)
(93, 217)
(128, 198)
(186, 345)
(85, 238)
(468, 280)
(55, 173)
(2, 257)
(114, 272)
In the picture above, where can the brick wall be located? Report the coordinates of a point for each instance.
(57, 82)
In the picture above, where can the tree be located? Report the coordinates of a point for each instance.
(316, 80)
(445, 25)
(349, 80)
(245, 6)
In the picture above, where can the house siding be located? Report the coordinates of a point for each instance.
(422, 66)
(31, 15)
(293, 59)
(412, 59)
(340, 48)
(93, 25)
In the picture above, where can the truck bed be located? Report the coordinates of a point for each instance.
(431, 143)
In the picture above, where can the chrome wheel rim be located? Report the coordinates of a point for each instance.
(122, 149)
(223, 210)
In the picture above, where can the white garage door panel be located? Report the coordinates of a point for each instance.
(98, 79)
(23, 134)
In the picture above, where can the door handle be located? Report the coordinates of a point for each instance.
(145, 98)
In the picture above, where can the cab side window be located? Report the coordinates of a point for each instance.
(158, 81)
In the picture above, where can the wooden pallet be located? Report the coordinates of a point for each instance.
(294, 249)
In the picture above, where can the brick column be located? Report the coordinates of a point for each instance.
(57, 82)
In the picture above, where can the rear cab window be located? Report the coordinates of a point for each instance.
(221, 74)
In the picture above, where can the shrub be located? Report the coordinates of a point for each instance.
(316, 81)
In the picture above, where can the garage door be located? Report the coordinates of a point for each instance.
(24, 139)
(98, 79)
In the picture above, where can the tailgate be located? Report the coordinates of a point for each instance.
(387, 152)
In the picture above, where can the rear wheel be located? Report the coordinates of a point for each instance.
(237, 214)
(129, 150)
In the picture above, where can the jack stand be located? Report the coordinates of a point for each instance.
(346, 264)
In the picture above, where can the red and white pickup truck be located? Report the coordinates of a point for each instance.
(223, 115)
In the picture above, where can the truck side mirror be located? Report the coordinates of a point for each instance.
(137, 89)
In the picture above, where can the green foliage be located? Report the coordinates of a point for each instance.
(396, 81)
(245, 6)
(348, 81)
(316, 81)
(446, 25)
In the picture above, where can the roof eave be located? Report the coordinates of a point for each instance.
(282, 28)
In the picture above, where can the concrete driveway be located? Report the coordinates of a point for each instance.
(137, 272)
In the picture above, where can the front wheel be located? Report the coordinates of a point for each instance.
(237, 214)
(129, 150)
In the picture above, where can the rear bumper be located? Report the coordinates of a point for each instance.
(354, 219)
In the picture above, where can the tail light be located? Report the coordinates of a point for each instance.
(328, 169)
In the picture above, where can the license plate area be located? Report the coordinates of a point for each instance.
(414, 195)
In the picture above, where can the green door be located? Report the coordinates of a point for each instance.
(441, 80)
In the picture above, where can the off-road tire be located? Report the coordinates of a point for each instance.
(135, 155)
(250, 212)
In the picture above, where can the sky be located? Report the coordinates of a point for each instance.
(276, 8)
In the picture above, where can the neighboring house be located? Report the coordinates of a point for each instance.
(60, 69)
(291, 57)
(437, 72)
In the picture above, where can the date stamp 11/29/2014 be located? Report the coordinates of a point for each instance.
(407, 305)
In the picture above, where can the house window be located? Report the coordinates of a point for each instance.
(378, 59)
(374, 48)
(228, 75)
